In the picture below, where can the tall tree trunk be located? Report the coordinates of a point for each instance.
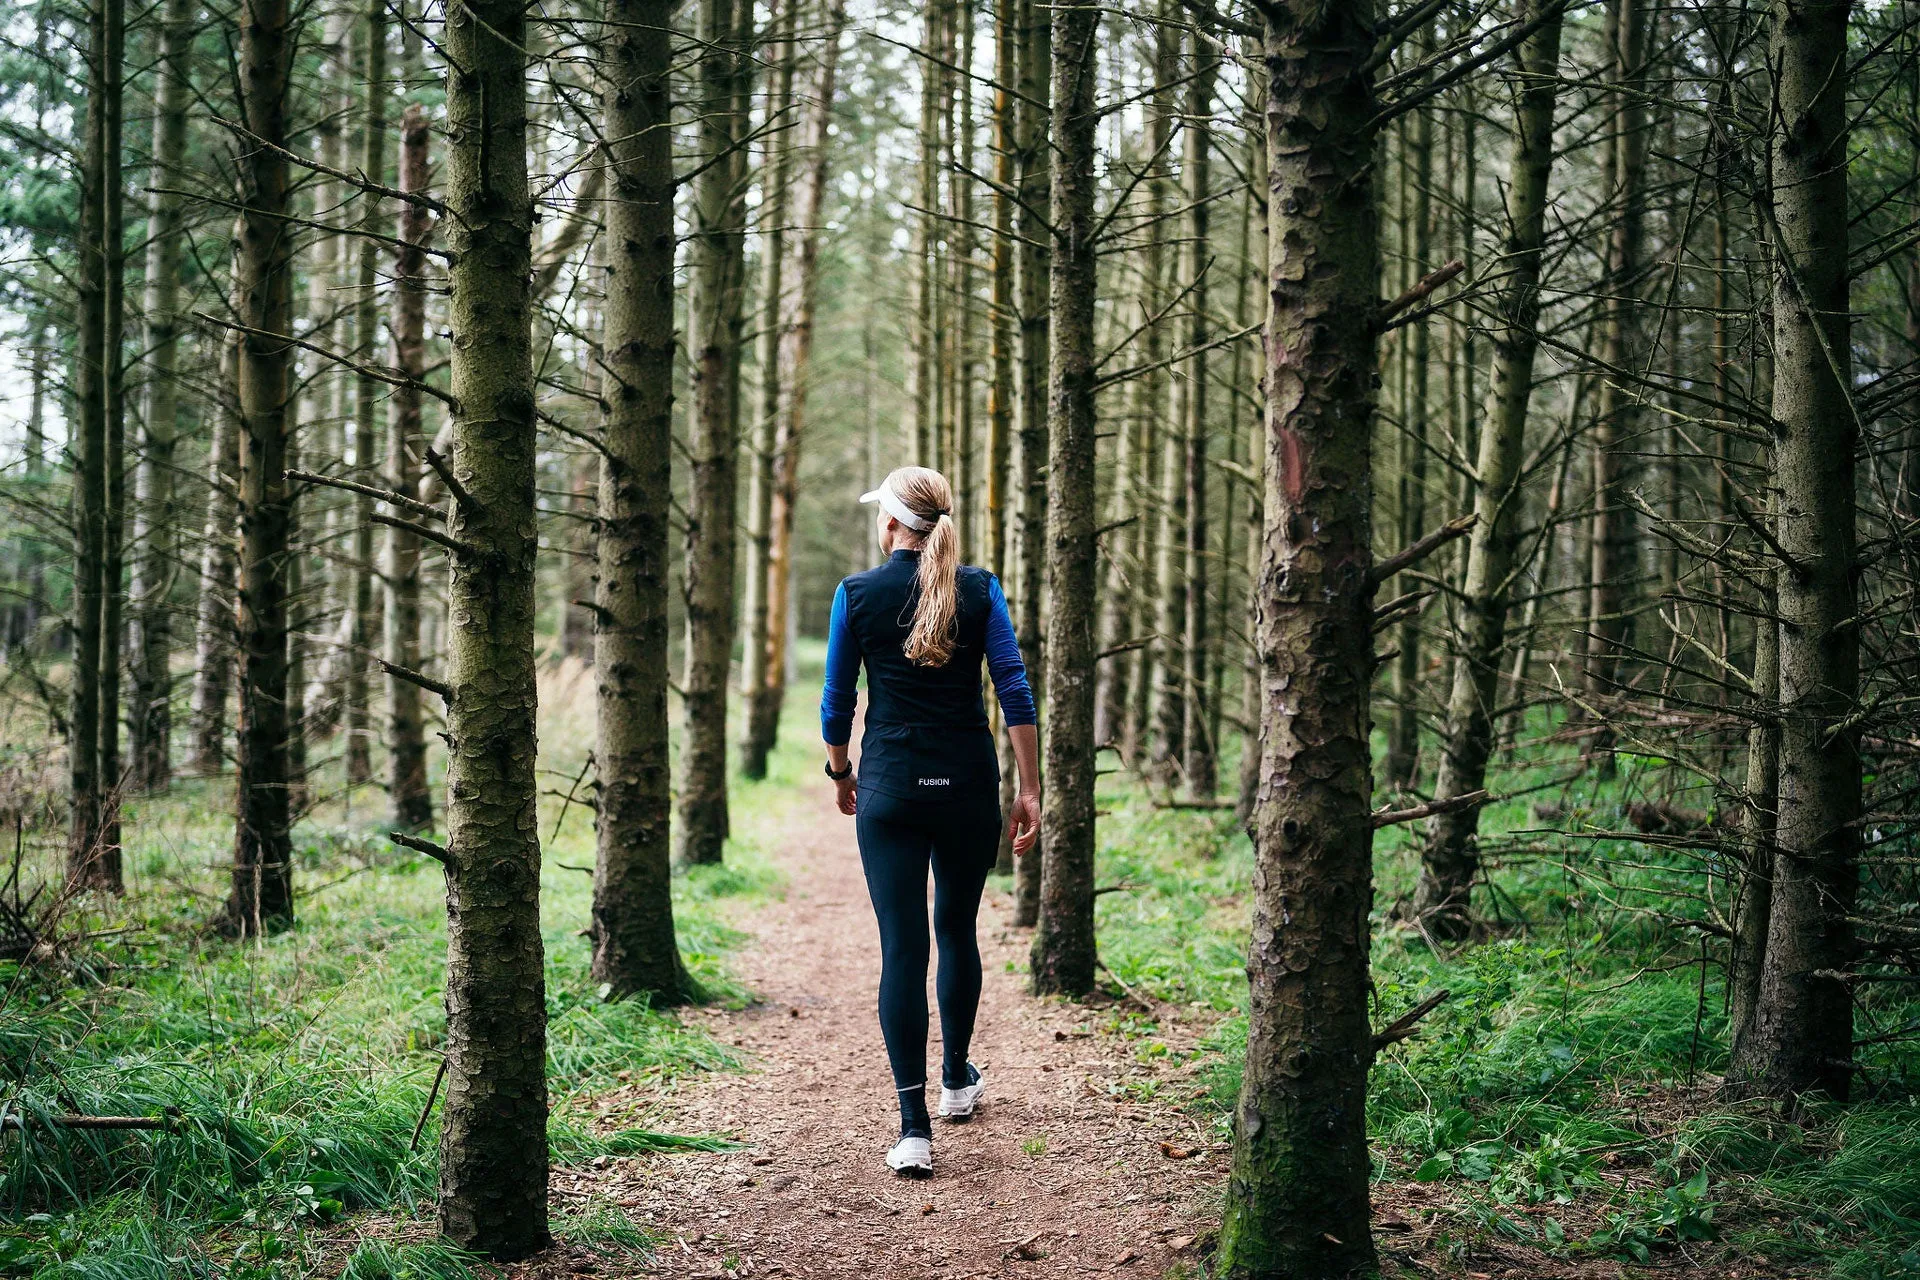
(794, 358)
(156, 522)
(1196, 735)
(1250, 704)
(368, 394)
(756, 737)
(1451, 860)
(262, 894)
(1403, 730)
(1150, 536)
(409, 799)
(493, 1139)
(1296, 1203)
(92, 862)
(1033, 223)
(1000, 398)
(1063, 950)
(716, 272)
(1753, 900)
(1612, 548)
(1802, 1035)
(113, 597)
(213, 630)
(917, 422)
(632, 927)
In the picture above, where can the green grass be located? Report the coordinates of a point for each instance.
(298, 1066)
(1572, 1065)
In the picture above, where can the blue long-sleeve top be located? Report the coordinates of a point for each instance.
(874, 608)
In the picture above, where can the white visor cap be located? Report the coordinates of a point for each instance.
(890, 502)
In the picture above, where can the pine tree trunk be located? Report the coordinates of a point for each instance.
(1250, 708)
(1033, 223)
(1001, 353)
(1753, 900)
(113, 599)
(1196, 735)
(632, 927)
(716, 272)
(214, 623)
(366, 622)
(794, 357)
(93, 860)
(1138, 738)
(1612, 548)
(156, 521)
(756, 737)
(262, 893)
(409, 798)
(1403, 730)
(1450, 860)
(1296, 1202)
(493, 1139)
(1802, 1035)
(1062, 959)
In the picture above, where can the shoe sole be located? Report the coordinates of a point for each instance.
(960, 1117)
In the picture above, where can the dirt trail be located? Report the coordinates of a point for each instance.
(1061, 1173)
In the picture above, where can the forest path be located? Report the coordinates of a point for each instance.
(1062, 1173)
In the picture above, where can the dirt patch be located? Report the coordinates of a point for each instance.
(1074, 1166)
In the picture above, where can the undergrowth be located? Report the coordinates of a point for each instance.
(1565, 1095)
(294, 1070)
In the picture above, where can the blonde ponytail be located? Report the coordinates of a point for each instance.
(927, 493)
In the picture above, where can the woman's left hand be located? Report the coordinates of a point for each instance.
(844, 794)
(1023, 822)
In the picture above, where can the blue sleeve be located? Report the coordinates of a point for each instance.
(843, 669)
(1003, 660)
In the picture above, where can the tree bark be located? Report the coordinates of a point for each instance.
(409, 798)
(1753, 890)
(1801, 1040)
(493, 1141)
(262, 895)
(1612, 547)
(1296, 1203)
(93, 856)
(795, 357)
(1403, 730)
(1196, 735)
(1450, 860)
(716, 273)
(756, 736)
(1062, 961)
(1033, 223)
(632, 926)
(365, 618)
(214, 625)
(156, 521)
(1001, 352)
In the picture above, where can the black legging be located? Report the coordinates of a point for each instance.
(898, 839)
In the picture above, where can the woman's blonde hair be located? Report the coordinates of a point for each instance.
(929, 496)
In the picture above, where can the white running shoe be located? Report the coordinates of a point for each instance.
(912, 1157)
(957, 1105)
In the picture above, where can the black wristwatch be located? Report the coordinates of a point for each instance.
(841, 776)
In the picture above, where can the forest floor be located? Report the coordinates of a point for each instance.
(1064, 1172)
(1556, 1117)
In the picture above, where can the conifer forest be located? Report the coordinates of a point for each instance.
(1454, 469)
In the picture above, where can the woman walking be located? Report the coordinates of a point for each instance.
(928, 791)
